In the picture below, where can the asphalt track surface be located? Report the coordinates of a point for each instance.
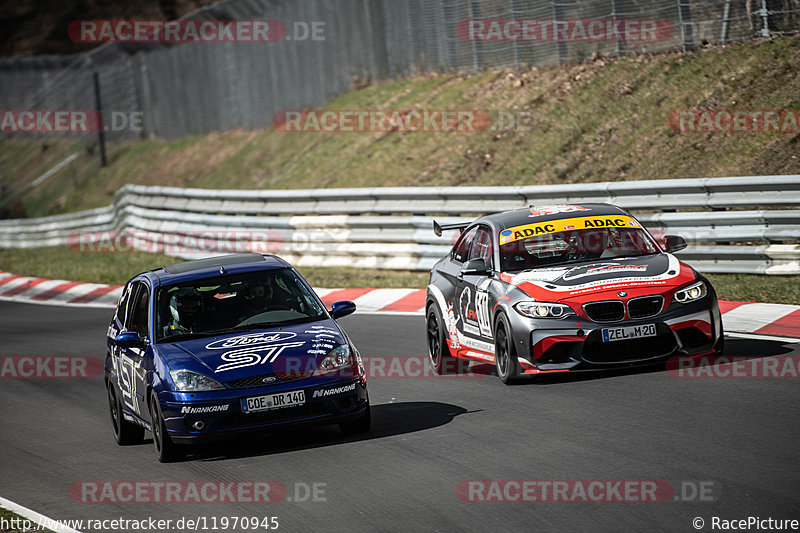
(740, 436)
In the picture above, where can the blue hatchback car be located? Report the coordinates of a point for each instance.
(212, 348)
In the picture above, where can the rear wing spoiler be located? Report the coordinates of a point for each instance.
(439, 228)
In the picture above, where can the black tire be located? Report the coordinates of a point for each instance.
(125, 433)
(166, 450)
(438, 351)
(505, 353)
(356, 427)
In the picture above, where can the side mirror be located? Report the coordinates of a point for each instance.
(476, 267)
(129, 339)
(674, 243)
(343, 308)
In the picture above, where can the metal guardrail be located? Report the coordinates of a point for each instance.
(742, 224)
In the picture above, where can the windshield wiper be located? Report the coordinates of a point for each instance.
(277, 323)
(186, 336)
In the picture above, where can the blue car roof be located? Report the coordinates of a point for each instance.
(214, 266)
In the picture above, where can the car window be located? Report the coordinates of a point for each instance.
(481, 246)
(461, 249)
(138, 315)
(122, 308)
(573, 246)
(240, 302)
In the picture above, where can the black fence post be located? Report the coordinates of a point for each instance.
(101, 137)
(687, 30)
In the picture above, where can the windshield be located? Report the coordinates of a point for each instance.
(241, 302)
(574, 246)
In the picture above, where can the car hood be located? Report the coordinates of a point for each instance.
(560, 282)
(297, 348)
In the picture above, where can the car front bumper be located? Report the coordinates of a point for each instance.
(221, 415)
(575, 343)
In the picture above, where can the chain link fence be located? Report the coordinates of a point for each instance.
(175, 90)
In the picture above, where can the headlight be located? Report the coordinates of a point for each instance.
(338, 358)
(693, 292)
(186, 380)
(543, 309)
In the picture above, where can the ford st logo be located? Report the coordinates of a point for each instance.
(269, 379)
(253, 339)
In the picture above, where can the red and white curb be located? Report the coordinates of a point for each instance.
(741, 317)
(59, 292)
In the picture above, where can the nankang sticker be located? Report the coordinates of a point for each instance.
(540, 211)
(251, 340)
(185, 410)
(567, 224)
(323, 393)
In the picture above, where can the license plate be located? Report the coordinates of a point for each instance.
(273, 401)
(629, 332)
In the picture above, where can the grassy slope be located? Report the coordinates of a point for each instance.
(603, 120)
(12, 518)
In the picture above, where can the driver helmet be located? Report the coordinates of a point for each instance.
(186, 306)
(259, 292)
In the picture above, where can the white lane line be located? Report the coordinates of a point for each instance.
(756, 337)
(752, 317)
(38, 519)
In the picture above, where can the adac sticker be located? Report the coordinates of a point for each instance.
(601, 221)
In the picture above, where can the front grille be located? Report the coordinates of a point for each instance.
(597, 351)
(258, 381)
(645, 306)
(611, 311)
(243, 420)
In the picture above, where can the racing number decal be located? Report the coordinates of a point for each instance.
(127, 372)
(482, 310)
